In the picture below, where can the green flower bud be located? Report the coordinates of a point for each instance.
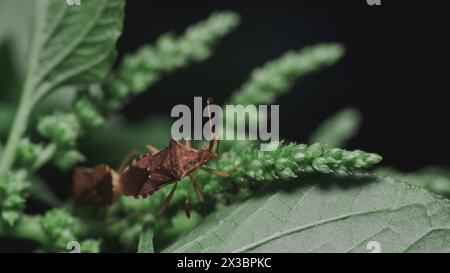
(278, 76)
(27, 153)
(87, 114)
(320, 165)
(372, 159)
(61, 128)
(58, 225)
(140, 70)
(313, 151)
(287, 173)
(13, 188)
(334, 154)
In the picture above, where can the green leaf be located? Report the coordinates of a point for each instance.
(146, 242)
(74, 44)
(326, 217)
(71, 45)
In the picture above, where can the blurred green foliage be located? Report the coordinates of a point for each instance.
(338, 129)
(278, 76)
(434, 179)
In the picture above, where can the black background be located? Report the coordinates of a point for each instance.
(395, 70)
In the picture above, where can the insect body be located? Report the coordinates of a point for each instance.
(94, 186)
(158, 168)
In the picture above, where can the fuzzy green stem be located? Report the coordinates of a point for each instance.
(18, 128)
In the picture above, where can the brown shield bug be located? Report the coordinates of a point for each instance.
(94, 186)
(156, 169)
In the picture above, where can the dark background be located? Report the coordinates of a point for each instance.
(395, 70)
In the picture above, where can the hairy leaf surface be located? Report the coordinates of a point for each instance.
(74, 44)
(333, 215)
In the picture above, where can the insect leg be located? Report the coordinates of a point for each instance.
(127, 159)
(214, 139)
(197, 188)
(216, 172)
(188, 143)
(197, 191)
(151, 150)
(187, 203)
(211, 143)
(218, 147)
(167, 200)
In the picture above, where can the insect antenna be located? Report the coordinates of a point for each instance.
(217, 147)
(216, 172)
(188, 143)
(167, 200)
(198, 192)
(151, 150)
(187, 202)
(213, 139)
(197, 188)
(194, 173)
